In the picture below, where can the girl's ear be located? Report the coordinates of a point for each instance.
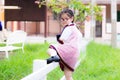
(72, 19)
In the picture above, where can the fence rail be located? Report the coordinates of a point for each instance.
(40, 72)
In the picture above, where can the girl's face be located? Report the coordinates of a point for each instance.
(65, 19)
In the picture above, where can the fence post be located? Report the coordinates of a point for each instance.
(37, 65)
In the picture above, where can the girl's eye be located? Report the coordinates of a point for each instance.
(65, 19)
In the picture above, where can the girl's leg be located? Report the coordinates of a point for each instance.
(54, 56)
(51, 52)
(68, 73)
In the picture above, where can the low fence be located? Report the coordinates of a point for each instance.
(41, 68)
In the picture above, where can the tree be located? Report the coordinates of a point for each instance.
(81, 10)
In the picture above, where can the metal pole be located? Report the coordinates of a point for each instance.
(93, 3)
(113, 23)
(45, 29)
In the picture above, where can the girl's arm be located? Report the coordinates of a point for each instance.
(65, 34)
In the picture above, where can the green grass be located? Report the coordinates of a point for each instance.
(102, 62)
(20, 64)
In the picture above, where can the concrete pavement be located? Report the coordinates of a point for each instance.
(40, 39)
(52, 39)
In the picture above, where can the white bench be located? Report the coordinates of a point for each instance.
(16, 37)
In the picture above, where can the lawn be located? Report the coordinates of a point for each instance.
(102, 62)
(20, 64)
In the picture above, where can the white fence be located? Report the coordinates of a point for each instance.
(41, 68)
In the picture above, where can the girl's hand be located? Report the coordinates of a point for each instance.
(58, 36)
(58, 39)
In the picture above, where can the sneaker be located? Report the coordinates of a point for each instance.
(53, 58)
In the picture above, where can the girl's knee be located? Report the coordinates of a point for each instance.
(48, 51)
(51, 52)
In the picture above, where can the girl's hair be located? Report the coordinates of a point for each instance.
(69, 12)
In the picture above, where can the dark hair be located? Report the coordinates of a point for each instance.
(69, 12)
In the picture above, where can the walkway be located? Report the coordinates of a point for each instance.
(40, 39)
(108, 42)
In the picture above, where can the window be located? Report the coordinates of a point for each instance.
(118, 16)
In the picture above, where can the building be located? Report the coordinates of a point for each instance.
(102, 29)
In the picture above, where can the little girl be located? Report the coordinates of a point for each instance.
(67, 52)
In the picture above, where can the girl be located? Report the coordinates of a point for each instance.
(67, 52)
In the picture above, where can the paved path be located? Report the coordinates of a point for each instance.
(41, 39)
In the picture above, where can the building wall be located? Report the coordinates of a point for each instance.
(36, 28)
(53, 26)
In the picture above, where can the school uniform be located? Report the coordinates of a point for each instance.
(69, 49)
